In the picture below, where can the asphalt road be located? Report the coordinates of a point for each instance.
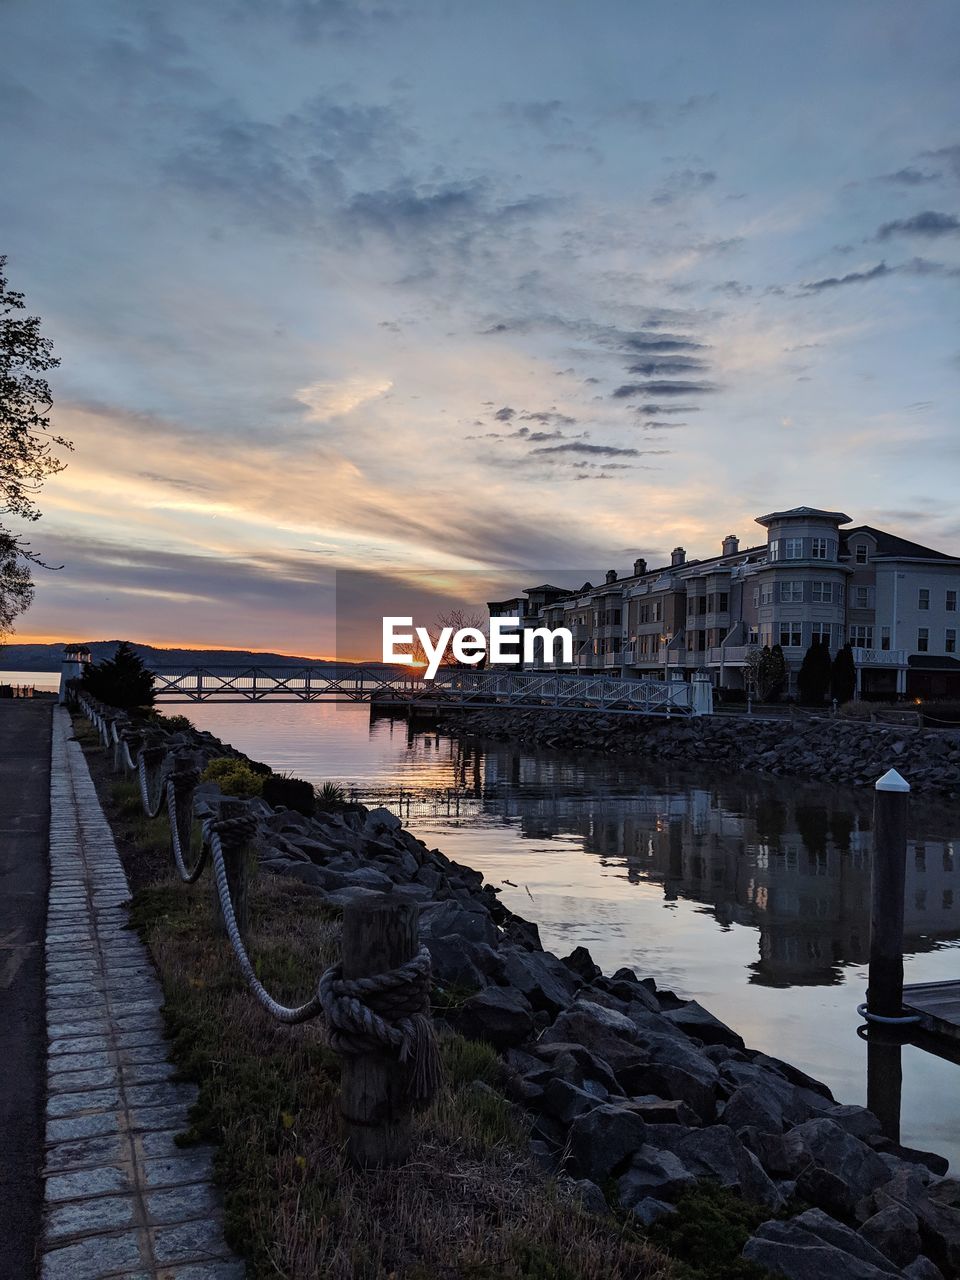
(24, 826)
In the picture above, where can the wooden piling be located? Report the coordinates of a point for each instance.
(237, 855)
(885, 990)
(379, 934)
(885, 1079)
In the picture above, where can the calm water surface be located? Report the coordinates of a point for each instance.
(751, 895)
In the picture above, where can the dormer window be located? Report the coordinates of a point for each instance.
(860, 553)
(792, 548)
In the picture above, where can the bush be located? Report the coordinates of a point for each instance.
(173, 724)
(235, 777)
(290, 793)
(121, 681)
(332, 795)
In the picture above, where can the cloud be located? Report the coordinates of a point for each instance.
(505, 414)
(664, 388)
(852, 277)
(660, 343)
(683, 183)
(928, 223)
(673, 364)
(601, 450)
(908, 177)
(949, 155)
(650, 408)
(326, 400)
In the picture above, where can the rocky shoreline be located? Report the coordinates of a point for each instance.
(634, 1094)
(846, 752)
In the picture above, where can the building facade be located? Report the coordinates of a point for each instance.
(894, 601)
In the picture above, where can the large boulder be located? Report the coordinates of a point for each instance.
(440, 919)
(653, 1172)
(935, 1205)
(671, 1069)
(602, 1141)
(604, 1032)
(498, 1015)
(715, 1153)
(833, 1169)
(578, 1065)
(545, 981)
(815, 1247)
(750, 1105)
(895, 1232)
(700, 1023)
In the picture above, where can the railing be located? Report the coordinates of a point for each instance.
(880, 657)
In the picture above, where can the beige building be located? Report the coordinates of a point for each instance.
(893, 600)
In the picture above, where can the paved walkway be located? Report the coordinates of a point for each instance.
(24, 811)
(121, 1198)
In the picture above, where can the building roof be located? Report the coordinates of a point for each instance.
(802, 513)
(888, 544)
(932, 662)
(559, 591)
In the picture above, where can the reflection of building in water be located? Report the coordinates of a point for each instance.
(792, 861)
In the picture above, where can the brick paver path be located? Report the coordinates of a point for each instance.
(121, 1199)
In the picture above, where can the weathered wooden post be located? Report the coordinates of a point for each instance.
(884, 1079)
(379, 934)
(885, 989)
(234, 828)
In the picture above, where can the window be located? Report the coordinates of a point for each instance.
(818, 548)
(701, 604)
(822, 592)
(860, 553)
(951, 602)
(884, 637)
(863, 598)
(774, 551)
(723, 602)
(756, 597)
(753, 635)
(657, 610)
(644, 613)
(923, 640)
(861, 637)
(950, 641)
(790, 635)
(820, 631)
(791, 591)
(793, 548)
(923, 601)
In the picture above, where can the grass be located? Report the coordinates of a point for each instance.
(468, 1205)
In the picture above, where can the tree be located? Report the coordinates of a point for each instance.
(843, 675)
(121, 681)
(766, 671)
(813, 678)
(456, 619)
(27, 444)
(775, 673)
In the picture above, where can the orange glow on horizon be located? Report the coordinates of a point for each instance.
(18, 638)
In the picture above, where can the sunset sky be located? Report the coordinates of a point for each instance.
(491, 287)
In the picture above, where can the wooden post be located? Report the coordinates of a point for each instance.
(884, 1079)
(379, 934)
(885, 989)
(236, 860)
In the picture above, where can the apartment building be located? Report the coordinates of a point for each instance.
(895, 601)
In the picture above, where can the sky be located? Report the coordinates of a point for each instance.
(428, 287)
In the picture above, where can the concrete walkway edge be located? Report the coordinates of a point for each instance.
(121, 1199)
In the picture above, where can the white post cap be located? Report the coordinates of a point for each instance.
(892, 781)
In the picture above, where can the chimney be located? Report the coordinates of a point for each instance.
(611, 575)
(678, 556)
(639, 566)
(731, 544)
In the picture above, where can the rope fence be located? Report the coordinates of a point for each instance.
(373, 1020)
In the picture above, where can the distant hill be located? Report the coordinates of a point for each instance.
(46, 657)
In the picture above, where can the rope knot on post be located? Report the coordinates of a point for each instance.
(236, 828)
(387, 1011)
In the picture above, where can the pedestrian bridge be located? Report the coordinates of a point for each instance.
(387, 686)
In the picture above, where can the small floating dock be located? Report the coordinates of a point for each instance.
(938, 1004)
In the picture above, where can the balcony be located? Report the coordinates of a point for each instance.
(733, 655)
(880, 657)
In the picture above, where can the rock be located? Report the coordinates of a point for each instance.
(452, 963)
(803, 1248)
(753, 1105)
(603, 1031)
(833, 1169)
(715, 1153)
(697, 1021)
(440, 919)
(578, 1065)
(588, 1193)
(670, 1069)
(857, 1121)
(798, 1102)
(922, 1269)
(565, 1101)
(497, 1015)
(895, 1232)
(769, 1148)
(929, 1159)
(656, 1110)
(793, 1074)
(580, 962)
(381, 819)
(348, 897)
(651, 1210)
(602, 1140)
(545, 981)
(653, 1172)
(937, 1209)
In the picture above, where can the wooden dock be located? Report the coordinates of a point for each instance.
(938, 1004)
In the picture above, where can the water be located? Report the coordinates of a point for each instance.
(751, 895)
(45, 681)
